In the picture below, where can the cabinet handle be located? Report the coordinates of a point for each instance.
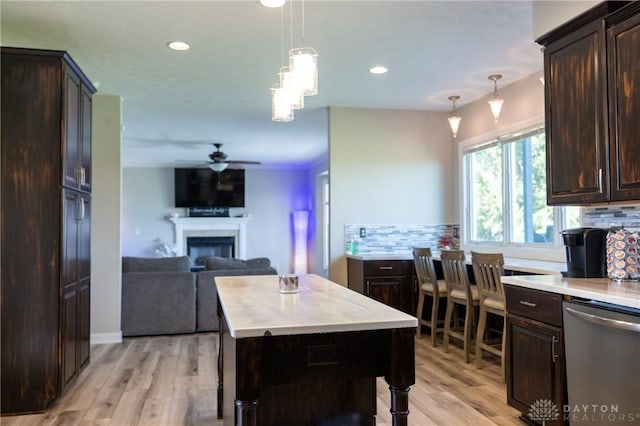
(529, 304)
(600, 179)
(385, 267)
(554, 353)
(83, 175)
(80, 209)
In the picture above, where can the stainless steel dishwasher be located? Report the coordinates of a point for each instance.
(602, 346)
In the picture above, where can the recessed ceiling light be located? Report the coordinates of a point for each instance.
(378, 70)
(272, 3)
(178, 45)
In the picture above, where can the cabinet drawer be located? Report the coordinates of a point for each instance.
(535, 304)
(378, 268)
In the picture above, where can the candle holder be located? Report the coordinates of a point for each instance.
(288, 283)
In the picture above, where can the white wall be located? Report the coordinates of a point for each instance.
(548, 15)
(105, 220)
(387, 166)
(270, 197)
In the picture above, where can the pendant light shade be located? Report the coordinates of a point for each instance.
(454, 118)
(280, 107)
(496, 102)
(291, 87)
(303, 63)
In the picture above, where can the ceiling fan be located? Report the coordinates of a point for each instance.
(219, 160)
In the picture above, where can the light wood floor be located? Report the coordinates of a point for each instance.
(171, 380)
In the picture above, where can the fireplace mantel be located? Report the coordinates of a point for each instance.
(211, 226)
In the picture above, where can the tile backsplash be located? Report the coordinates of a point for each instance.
(398, 239)
(626, 216)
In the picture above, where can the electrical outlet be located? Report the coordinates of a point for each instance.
(363, 232)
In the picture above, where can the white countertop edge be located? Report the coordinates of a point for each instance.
(531, 266)
(241, 333)
(625, 294)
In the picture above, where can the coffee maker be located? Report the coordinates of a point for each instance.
(585, 249)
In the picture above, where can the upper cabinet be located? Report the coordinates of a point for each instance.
(592, 105)
(623, 57)
(77, 140)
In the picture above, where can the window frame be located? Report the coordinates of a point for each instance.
(553, 251)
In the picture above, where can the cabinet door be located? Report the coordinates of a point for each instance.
(576, 117)
(85, 140)
(84, 236)
(83, 324)
(69, 335)
(70, 212)
(71, 154)
(623, 47)
(387, 290)
(535, 369)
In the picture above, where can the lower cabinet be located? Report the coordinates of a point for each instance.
(75, 330)
(391, 282)
(536, 378)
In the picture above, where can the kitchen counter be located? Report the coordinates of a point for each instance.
(253, 306)
(625, 294)
(510, 263)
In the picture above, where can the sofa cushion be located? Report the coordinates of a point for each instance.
(230, 263)
(155, 264)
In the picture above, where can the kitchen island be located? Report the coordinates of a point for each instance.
(310, 357)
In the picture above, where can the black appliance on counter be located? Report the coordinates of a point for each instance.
(586, 252)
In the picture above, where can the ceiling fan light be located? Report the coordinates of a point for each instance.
(303, 63)
(218, 167)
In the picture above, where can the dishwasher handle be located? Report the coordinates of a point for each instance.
(606, 322)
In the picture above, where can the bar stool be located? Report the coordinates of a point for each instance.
(429, 285)
(459, 292)
(487, 270)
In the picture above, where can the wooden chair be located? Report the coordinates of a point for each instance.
(487, 270)
(459, 292)
(428, 285)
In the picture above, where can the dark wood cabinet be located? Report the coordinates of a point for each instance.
(535, 353)
(591, 83)
(391, 282)
(46, 226)
(623, 49)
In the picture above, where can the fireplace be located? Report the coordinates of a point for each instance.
(199, 248)
(222, 236)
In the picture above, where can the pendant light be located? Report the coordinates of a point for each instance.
(303, 63)
(496, 102)
(280, 107)
(454, 118)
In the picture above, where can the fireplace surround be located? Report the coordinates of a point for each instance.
(227, 228)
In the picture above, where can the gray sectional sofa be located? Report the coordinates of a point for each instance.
(163, 296)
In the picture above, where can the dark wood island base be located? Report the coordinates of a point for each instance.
(310, 358)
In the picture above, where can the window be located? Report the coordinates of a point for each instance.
(505, 193)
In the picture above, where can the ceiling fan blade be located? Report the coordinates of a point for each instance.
(243, 162)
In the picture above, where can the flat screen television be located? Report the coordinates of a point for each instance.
(206, 188)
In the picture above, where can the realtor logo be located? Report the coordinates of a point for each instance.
(543, 410)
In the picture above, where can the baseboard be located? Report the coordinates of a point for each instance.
(104, 338)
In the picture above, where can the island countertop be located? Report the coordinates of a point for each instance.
(253, 306)
(625, 294)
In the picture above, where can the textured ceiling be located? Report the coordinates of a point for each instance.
(176, 103)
